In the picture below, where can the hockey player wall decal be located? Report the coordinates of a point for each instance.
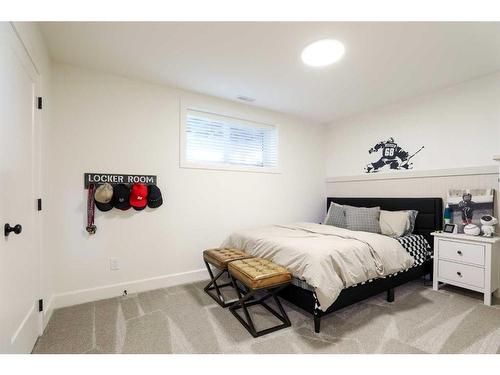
(392, 155)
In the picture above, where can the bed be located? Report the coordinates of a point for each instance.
(315, 252)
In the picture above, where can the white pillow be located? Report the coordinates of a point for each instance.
(394, 223)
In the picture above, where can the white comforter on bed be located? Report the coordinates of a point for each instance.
(326, 257)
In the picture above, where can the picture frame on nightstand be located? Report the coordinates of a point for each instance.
(450, 228)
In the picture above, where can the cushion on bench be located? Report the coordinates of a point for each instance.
(258, 273)
(220, 257)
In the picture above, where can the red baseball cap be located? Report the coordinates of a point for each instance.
(139, 196)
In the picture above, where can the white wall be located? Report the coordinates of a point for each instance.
(459, 127)
(32, 39)
(105, 123)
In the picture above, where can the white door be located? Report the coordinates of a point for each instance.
(19, 253)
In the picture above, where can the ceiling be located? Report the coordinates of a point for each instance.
(384, 62)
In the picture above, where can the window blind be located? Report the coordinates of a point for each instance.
(216, 139)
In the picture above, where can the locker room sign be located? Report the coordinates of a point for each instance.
(113, 179)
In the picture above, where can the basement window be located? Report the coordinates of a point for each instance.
(214, 141)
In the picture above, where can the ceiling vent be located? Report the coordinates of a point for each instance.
(245, 98)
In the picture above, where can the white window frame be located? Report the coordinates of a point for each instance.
(184, 163)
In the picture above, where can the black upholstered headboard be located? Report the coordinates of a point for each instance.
(430, 210)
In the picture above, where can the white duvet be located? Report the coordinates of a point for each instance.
(326, 257)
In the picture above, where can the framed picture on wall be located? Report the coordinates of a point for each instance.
(468, 205)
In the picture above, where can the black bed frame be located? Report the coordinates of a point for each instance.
(429, 219)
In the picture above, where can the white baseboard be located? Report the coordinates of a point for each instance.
(48, 309)
(108, 291)
(23, 340)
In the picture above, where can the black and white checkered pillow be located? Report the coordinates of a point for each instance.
(417, 246)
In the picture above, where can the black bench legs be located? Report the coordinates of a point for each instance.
(214, 286)
(249, 299)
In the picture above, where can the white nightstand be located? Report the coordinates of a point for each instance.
(471, 262)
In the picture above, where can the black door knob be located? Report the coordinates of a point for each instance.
(16, 229)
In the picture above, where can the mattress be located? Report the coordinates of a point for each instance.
(415, 245)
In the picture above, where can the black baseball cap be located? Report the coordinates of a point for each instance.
(104, 207)
(154, 196)
(121, 197)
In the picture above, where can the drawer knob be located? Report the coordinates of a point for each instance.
(459, 252)
(459, 273)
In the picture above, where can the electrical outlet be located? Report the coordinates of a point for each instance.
(113, 264)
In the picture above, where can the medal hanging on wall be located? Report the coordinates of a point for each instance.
(91, 228)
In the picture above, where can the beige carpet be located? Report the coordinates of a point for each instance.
(184, 319)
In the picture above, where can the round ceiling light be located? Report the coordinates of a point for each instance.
(323, 52)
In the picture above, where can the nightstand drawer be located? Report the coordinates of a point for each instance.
(461, 273)
(461, 252)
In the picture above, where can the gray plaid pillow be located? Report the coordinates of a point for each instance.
(335, 216)
(363, 218)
